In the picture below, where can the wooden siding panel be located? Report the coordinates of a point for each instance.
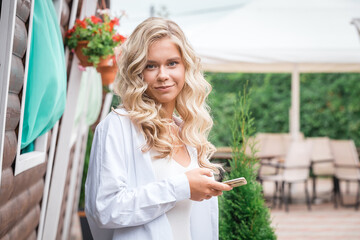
(7, 185)
(15, 210)
(32, 236)
(26, 179)
(49, 140)
(23, 9)
(65, 14)
(20, 38)
(6, 237)
(61, 223)
(26, 226)
(10, 145)
(62, 216)
(65, 196)
(62, 30)
(63, 206)
(79, 182)
(12, 112)
(17, 73)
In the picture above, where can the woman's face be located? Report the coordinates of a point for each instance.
(164, 72)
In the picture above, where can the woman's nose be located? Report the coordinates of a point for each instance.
(163, 74)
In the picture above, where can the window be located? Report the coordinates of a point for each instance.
(25, 161)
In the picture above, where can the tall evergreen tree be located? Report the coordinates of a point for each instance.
(243, 213)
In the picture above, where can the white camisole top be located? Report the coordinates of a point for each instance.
(179, 215)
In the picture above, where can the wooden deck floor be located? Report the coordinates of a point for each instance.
(322, 222)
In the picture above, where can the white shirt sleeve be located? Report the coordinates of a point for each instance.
(109, 200)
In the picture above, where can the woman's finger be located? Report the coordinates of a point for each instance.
(206, 172)
(220, 186)
(215, 192)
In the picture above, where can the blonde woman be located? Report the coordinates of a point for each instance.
(149, 171)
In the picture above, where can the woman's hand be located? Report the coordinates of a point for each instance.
(202, 186)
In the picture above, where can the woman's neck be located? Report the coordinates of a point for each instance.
(168, 110)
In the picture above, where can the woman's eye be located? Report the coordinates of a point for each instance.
(172, 64)
(150, 66)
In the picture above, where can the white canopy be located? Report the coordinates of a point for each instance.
(282, 36)
(273, 35)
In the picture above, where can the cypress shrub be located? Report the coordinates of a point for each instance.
(243, 213)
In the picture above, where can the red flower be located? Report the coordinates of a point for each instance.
(81, 23)
(115, 22)
(95, 20)
(109, 27)
(122, 38)
(118, 38)
(70, 32)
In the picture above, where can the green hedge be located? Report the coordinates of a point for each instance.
(329, 104)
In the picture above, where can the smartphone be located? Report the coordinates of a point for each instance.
(236, 182)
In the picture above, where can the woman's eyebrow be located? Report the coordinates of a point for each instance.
(174, 59)
(168, 60)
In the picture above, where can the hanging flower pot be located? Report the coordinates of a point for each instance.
(107, 61)
(82, 58)
(94, 37)
(108, 73)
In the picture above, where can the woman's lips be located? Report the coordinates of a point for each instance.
(163, 88)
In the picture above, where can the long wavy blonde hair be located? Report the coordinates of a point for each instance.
(145, 112)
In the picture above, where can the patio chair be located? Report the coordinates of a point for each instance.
(347, 168)
(322, 161)
(295, 170)
(272, 149)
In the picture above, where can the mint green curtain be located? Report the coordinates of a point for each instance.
(90, 97)
(46, 83)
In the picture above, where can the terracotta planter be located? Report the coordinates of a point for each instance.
(108, 73)
(82, 58)
(105, 61)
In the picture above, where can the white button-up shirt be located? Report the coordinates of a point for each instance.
(123, 200)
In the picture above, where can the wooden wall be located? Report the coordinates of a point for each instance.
(24, 203)
(20, 196)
